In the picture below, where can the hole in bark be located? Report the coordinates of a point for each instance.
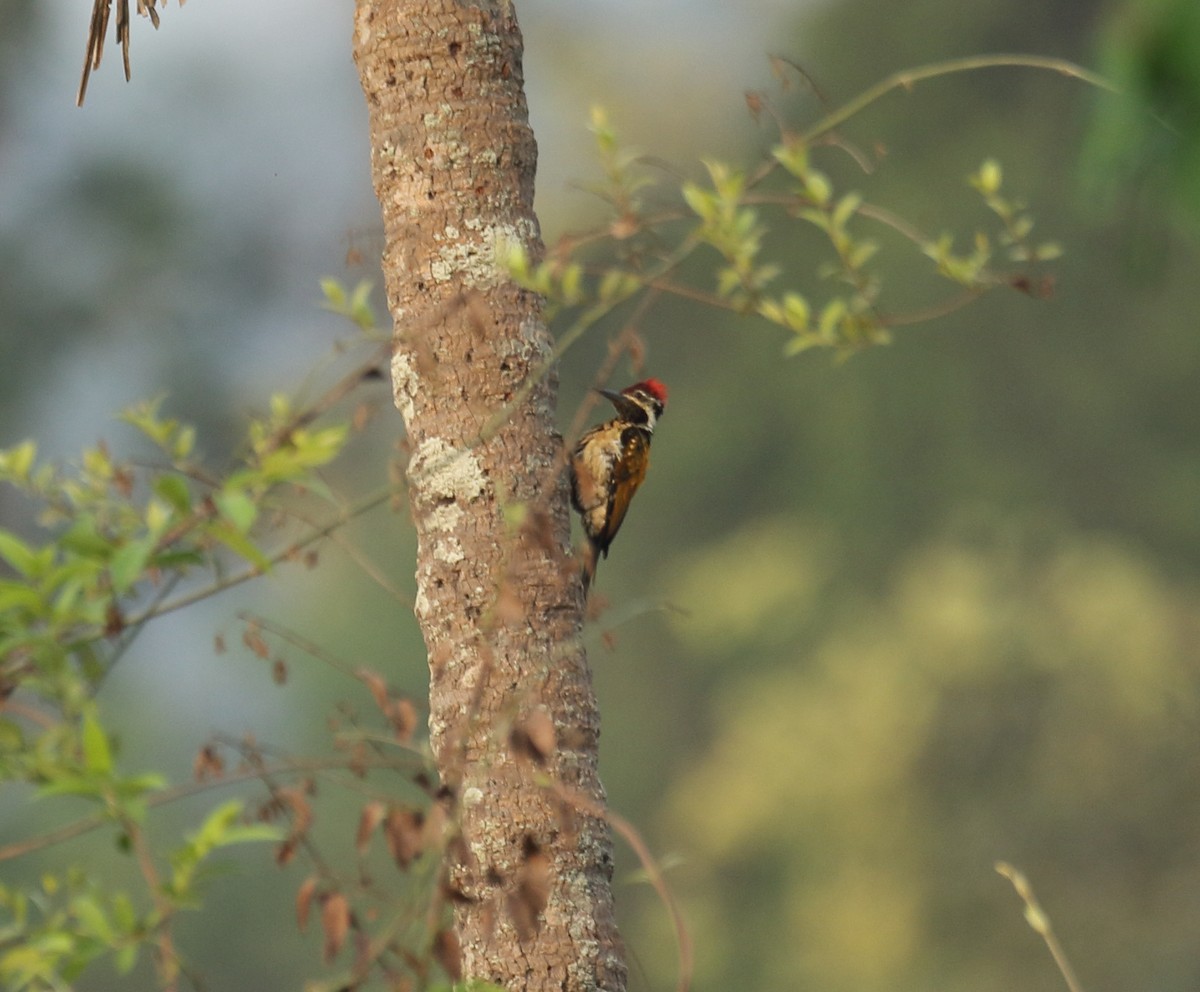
(428, 153)
(420, 287)
(430, 195)
(505, 367)
(455, 48)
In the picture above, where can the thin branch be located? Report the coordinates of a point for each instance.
(908, 78)
(937, 310)
(1037, 919)
(354, 510)
(87, 824)
(630, 835)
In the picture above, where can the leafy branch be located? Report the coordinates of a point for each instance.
(739, 212)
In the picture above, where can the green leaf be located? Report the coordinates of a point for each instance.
(219, 829)
(845, 209)
(18, 554)
(239, 544)
(144, 416)
(281, 407)
(335, 295)
(139, 785)
(85, 540)
(16, 462)
(124, 915)
(98, 463)
(92, 918)
(796, 311)
(97, 754)
(174, 490)
(606, 140)
(237, 507)
(572, 283)
(129, 562)
(801, 342)
(817, 187)
(701, 201)
(793, 156)
(185, 442)
(863, 252)
(69, 785)
(616, 285)
(728, 279)
(771, 309)
(832, 315)
(125, 960)
(19, 596)
(514, 259)
(360, 305)
(989, 177)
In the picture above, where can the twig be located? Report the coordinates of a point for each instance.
(631, 837)
(908, 78)
(1036, 917)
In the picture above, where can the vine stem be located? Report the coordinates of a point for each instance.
(908, 78)
(1039, 922)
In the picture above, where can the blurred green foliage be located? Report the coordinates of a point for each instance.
(925, 609)
(1148, 142)
(936, 606)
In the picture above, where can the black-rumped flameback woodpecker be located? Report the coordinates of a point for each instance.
(610, 462)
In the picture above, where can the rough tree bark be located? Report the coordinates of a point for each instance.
(511, 703)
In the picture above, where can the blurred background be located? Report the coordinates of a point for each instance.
(875, 624)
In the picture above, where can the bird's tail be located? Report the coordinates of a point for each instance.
(590, 556)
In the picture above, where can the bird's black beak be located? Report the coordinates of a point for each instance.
(625, 406)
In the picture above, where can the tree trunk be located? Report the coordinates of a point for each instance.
(513, 719)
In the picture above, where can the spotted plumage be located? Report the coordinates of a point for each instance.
(609, 464)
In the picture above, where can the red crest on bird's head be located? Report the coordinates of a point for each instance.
(652, 387)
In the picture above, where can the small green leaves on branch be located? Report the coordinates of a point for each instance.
(354, 305)
(734, 230)
(975, 269)
(753, 218)
(118, 537)
(222, 828)
(1018, 224)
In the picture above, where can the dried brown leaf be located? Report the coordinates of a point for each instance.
(304, 898)
(447, 951)
(534, 737)
(508, 607)
(402, 715)
(528, 900)
(208, 764)
(754, 102)
(372, 815)
(377, 686)
(433, 831)
(253, 639)
(335, 923)
(403, 834)
(286, 851)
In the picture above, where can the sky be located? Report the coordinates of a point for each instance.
(253, 114)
